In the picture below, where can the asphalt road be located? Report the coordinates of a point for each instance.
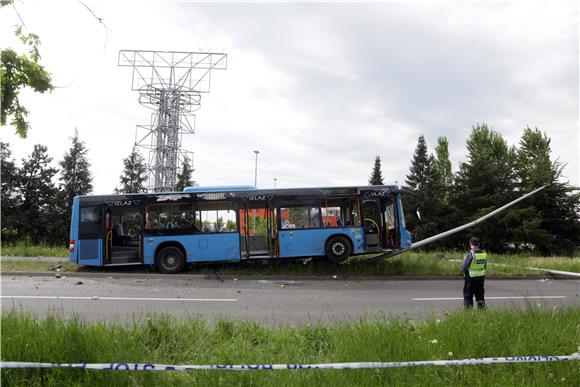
(273, 302)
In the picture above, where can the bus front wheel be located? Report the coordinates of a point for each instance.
(338, 249)
(170, 260)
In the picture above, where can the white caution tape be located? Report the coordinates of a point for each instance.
(248, 367)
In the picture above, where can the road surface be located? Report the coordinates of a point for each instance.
(273, 302)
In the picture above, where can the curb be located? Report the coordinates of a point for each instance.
(222, 277)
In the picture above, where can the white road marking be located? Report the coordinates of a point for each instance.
(490, 298)
(97, 298)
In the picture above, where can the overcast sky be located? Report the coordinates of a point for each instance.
(319, 90)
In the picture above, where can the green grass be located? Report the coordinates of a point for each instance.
(24, 249)
(161, 339)
(35, 266)
(408, 264)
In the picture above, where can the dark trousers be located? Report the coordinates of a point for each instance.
(474, 287)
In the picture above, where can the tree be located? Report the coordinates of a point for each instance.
(442, 165)
(134, 174)
(9, 195)
(550, 220)
(483, 183)
(184, 177)
(38, 193)
(376, 176)
(424, 181)
(75, 178)
(421, 165)
(230, 225)
(18, 72)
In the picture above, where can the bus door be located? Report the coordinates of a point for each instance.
(372, 224)
(90, 235)
(390, 239)
(258, 230)
(123, 240)
(380, 223)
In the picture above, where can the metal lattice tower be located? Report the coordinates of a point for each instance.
(170, 83)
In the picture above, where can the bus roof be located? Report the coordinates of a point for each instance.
(242, 189)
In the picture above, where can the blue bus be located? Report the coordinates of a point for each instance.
(228, 224)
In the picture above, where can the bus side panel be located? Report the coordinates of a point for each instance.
(311, 242)
(74, 230)
(199, 247)
(90, 251)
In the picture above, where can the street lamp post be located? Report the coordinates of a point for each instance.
(256, 169)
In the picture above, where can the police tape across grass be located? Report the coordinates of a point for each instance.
(164, 340)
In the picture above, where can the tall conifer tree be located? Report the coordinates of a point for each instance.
(184, 177)
(75, 176)
(442, 165)
(11, 201)
(423, 179)
(134, 174)
(37, 192)
(376, 176)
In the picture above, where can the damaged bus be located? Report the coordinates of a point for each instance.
(229, 224)
(226, 224)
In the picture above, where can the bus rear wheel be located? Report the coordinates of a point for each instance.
(170, 260)
(338, 249)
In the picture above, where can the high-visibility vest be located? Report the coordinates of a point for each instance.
(478, 264)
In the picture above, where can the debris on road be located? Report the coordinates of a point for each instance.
(79, 283)
(57, 275)
(218, 276)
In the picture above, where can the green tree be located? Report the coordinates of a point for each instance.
(75, 177)
(485, 182)
(18, 71)
(134, 174)
(376, 175)
(257, 224)
(11, 200)
(442, 165)
(184, 177)
(548, 221)
(424, 181)
(38, 194)
(230, 225)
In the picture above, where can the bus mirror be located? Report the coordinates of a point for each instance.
(417, 212)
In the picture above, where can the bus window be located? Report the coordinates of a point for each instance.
(216, 217)
(90, 223)
(339, 213)
(300, 217)
(175, 216)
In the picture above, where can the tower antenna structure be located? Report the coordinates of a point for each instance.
(170, 83)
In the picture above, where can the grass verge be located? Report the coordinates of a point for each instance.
(408, 264)
(23, 249)
(35, 266)
(161, 339)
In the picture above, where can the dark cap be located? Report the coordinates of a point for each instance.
(474, 241)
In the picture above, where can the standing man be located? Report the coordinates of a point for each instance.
(473, 268)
